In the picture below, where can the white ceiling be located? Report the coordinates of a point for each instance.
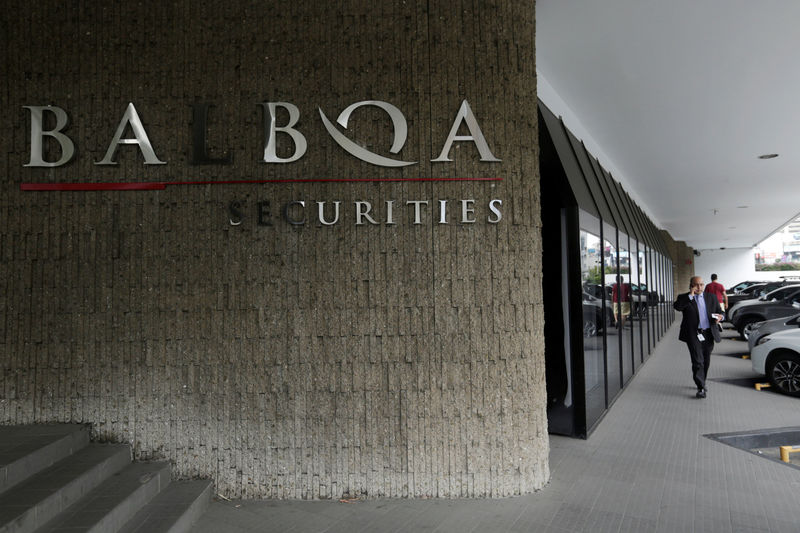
(678, 98)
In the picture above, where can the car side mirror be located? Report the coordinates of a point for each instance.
(796, 304)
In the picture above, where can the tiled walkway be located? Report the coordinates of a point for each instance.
(647, 467)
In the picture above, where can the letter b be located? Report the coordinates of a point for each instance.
(270, 147)
(37, 133)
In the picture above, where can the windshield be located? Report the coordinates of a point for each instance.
(780, 294)
(745, 284)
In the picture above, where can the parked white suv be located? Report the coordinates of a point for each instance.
(777, 356)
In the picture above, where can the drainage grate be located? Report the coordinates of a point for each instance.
(764, 443)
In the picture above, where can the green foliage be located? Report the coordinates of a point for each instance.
(595, 275)
(777, 266)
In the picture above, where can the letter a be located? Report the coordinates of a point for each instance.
(131, 117)
(476, 135)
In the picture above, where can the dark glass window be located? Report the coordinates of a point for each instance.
(612, 335)
(597, 317)
(623, 292)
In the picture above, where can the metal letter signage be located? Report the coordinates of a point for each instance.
(37, 147)
(131, 117)
(400, 134)
(199, 146)
(465, 114)
(270, 156)
(271, 131)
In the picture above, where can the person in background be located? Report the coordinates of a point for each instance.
(621, 297)
(718, 290)
(701, 313)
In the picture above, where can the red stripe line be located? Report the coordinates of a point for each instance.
(138, 186)
(161, 185)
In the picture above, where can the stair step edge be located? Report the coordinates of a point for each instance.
(37, 500)
(161, 515)
(66, 439)
(113, 502)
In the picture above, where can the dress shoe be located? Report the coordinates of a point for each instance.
(701, 393)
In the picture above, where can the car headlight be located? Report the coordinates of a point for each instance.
(763, 339)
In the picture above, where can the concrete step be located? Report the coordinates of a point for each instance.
(114, 502)
(35, 501)
(175, 510)
(27, 450)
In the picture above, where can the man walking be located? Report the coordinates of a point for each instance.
(701, 313)
(718, 290)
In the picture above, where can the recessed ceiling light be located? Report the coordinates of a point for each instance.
(768, 156)
(731, 227)
(742, 206)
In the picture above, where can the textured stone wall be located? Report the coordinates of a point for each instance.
(682, 263)
(285, 361)
(684, 267)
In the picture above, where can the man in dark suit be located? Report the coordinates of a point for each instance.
(701, 313)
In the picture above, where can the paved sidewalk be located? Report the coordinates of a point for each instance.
(647, 467)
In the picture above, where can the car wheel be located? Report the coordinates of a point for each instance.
(589, 327)
(783, 371)
(745, 322)
(747, 331)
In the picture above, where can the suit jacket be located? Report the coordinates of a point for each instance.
(691, 315)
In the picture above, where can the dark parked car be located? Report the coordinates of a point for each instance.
(596, 290)
(762, 329)
(784, 280)
(777, 294)
(641, 300)
(736, 289)
(750, 293)
(593, 313)
(600, 291)
(788, 305)
(652, 296)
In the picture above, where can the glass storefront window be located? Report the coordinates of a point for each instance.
(626, 286)
(612, 335)
(638, 305)
(653, 277)
(661, 283)
(597, 317)
(671, 292)
(645, 300)
(623, 299)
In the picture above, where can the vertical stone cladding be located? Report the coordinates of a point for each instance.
(682, 263)
(286, 361)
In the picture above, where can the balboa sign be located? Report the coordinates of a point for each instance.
(271, 129)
